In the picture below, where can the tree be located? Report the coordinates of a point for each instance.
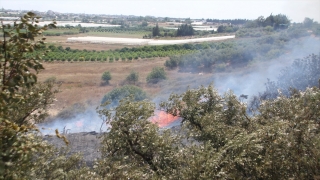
(122, 92)
(185, 30)
(221, 29)
(173, 62)
(133, 77)
(276, 142)
(106, 77)
(307, 22)
(133, 144)
(24, 102)
(144, 24)
(157, 74)
(260, 21)
(217, 138)
(18, 103)
(156, 31)
(188, 21)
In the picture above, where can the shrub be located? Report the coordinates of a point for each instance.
(157, 74)
(119, 93)
(173, 62)
(133, 77)
(106, 77)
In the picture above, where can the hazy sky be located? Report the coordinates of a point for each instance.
(296, 10)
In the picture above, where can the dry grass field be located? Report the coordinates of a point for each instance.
(81, 81)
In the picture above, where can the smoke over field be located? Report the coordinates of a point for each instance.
(82, 122)
(249, 80)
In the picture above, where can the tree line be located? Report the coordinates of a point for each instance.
(229, 21)
(219, 56)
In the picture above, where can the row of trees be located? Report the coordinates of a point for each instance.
(229, 21)
(279, 21)
(156, 75)
(68, 54)
(183, 30)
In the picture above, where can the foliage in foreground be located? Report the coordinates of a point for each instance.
(133, 147)
(218, 139)
(24, 102)
(20, 107)
(279, 142)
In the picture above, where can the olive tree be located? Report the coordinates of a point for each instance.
(106, 77)
(133, 77)
(157, 74)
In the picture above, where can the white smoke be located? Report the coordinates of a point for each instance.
(83, 122)
(249, 80)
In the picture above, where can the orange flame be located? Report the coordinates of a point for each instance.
(79, 123)
(162, 118)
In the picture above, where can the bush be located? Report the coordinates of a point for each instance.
(157, 74)
(119, 93)
(133, 77)
(173, 62)
(106, 77)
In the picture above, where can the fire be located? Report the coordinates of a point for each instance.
(79, 123)
(163, 119)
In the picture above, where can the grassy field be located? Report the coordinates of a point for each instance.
(81, 81)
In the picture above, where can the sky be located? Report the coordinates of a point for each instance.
(296, 10)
